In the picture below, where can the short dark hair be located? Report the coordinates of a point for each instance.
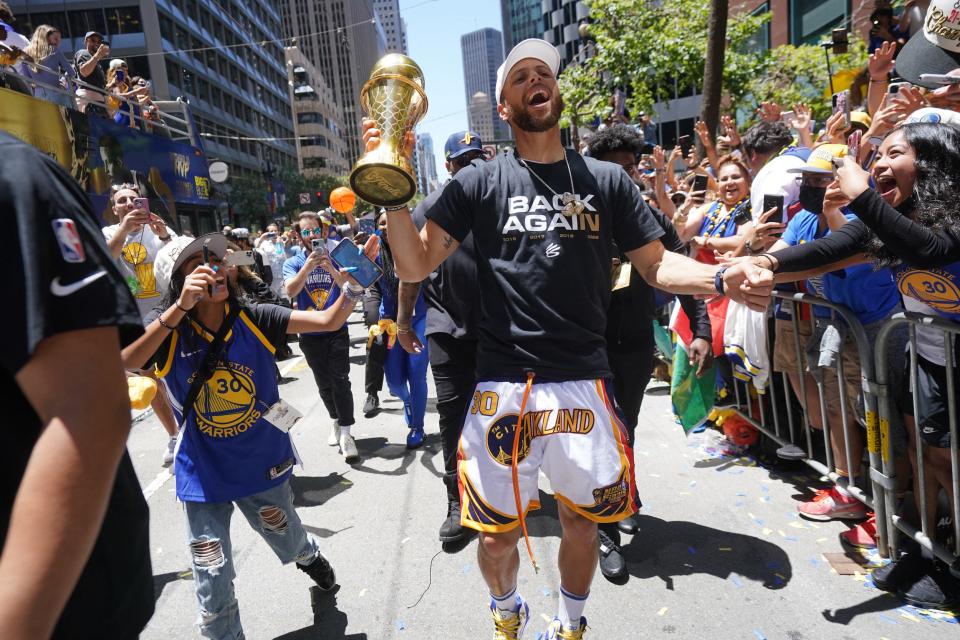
(766, 137)
(613, 139)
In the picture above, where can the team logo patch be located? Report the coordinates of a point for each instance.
(934, 287)
(226, 406)
(613, 493)
(500, 440)
(68, 239)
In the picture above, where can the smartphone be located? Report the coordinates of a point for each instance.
(347, 255)
(700, 182)
(742, 214)
(206, 261)
(786, 117)
(141, 203)
(893, 89)
(367, 226)
(271, 234)
(119, 75)
(239, 259)
(841, 104)
(937, 78)
(853, 144)
(319, 245)
(774, 201)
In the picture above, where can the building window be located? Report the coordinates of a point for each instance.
(123, 20)
(56, 19)
(760, 41)
(810, 20)
(87, 20)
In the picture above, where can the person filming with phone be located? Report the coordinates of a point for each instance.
(214, 352)
(327, 352)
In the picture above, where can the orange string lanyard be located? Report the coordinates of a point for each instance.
(515, 473)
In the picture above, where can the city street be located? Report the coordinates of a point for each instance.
(721, 553)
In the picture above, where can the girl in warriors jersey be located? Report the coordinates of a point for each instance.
(214, 352)
(909, 222)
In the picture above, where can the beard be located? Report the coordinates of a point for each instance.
(525, 121)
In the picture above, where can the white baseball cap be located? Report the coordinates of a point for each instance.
(173, 254)
(530, 48)
(934, 116)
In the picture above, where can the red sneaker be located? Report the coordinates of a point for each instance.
(830, 504)
(863, 535)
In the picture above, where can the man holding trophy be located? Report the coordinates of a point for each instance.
(543, 220)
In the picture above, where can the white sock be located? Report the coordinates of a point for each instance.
(345, 431)
(842, 488)
(926, 553)
(571, 608)
(507, 604)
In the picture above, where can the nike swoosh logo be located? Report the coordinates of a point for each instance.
(62, 290)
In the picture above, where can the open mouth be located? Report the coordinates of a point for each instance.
(538, 98)
(886, 186)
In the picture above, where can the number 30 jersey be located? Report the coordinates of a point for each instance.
(227, 450)
(938, 288)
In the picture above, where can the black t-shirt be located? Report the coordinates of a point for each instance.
(450, 292)
(66, 280)
(544, 276)
(96, 78)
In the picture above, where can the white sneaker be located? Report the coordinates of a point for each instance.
(348, 447)
(334, 439)
(168, 452)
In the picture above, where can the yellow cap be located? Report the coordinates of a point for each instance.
(821, 159)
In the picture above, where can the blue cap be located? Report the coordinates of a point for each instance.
(461, 142)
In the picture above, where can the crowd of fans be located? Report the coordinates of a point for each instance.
(859, 210)
(37, 66)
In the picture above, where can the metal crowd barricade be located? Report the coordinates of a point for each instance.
(895, 522)
(880, 476)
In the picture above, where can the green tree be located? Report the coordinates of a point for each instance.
(645, 47)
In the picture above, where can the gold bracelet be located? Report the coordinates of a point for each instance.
(404, 329)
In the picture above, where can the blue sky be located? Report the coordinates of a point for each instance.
(434, 28)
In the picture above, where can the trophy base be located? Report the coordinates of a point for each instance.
(383, 184)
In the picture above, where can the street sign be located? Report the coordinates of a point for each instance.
(304, 198)
(489, 151)
(218, 171)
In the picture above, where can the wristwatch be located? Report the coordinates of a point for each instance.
(718, 281)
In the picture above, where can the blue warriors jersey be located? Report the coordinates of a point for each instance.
(936, 287)
(227, 450)
(319, 292)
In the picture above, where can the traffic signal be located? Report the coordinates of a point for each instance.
(320, 197)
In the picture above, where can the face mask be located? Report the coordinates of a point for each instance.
(811, 198)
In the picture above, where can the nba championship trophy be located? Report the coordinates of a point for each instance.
(394, 98)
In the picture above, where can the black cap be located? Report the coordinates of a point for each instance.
(933, 49)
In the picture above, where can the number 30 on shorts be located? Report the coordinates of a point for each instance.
(485, 402)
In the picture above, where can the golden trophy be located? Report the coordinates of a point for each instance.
(394, 98)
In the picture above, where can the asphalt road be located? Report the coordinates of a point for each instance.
(721, 553)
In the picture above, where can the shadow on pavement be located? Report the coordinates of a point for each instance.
(666, 549)
(312, 491)
(329, 623)
(882, 602)
(378, 447)
(160, 581)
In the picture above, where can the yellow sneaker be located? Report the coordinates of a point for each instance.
(556, 631)
(510, 628)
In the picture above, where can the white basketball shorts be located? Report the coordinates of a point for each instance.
(570, 430)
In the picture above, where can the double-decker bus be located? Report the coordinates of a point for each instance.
(162, 153)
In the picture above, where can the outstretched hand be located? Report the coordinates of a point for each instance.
(748, 284)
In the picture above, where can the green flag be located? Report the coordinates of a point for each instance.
(692, 397)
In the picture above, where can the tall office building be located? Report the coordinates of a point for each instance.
(342, 39)
(482, 52)
(394, 27)
(522, 19)
(426, 162)
(561, 27)
(318, 119)
(238, 94)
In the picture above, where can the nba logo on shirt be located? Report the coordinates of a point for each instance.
(68, 240)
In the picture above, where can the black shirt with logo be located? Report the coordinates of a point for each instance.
(451, 290)
(544, 276)
(66, 280)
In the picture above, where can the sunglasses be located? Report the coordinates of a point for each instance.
(306, 233)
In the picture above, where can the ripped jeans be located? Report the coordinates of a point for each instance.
(271, 514)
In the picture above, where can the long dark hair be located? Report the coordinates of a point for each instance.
(933, 202)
